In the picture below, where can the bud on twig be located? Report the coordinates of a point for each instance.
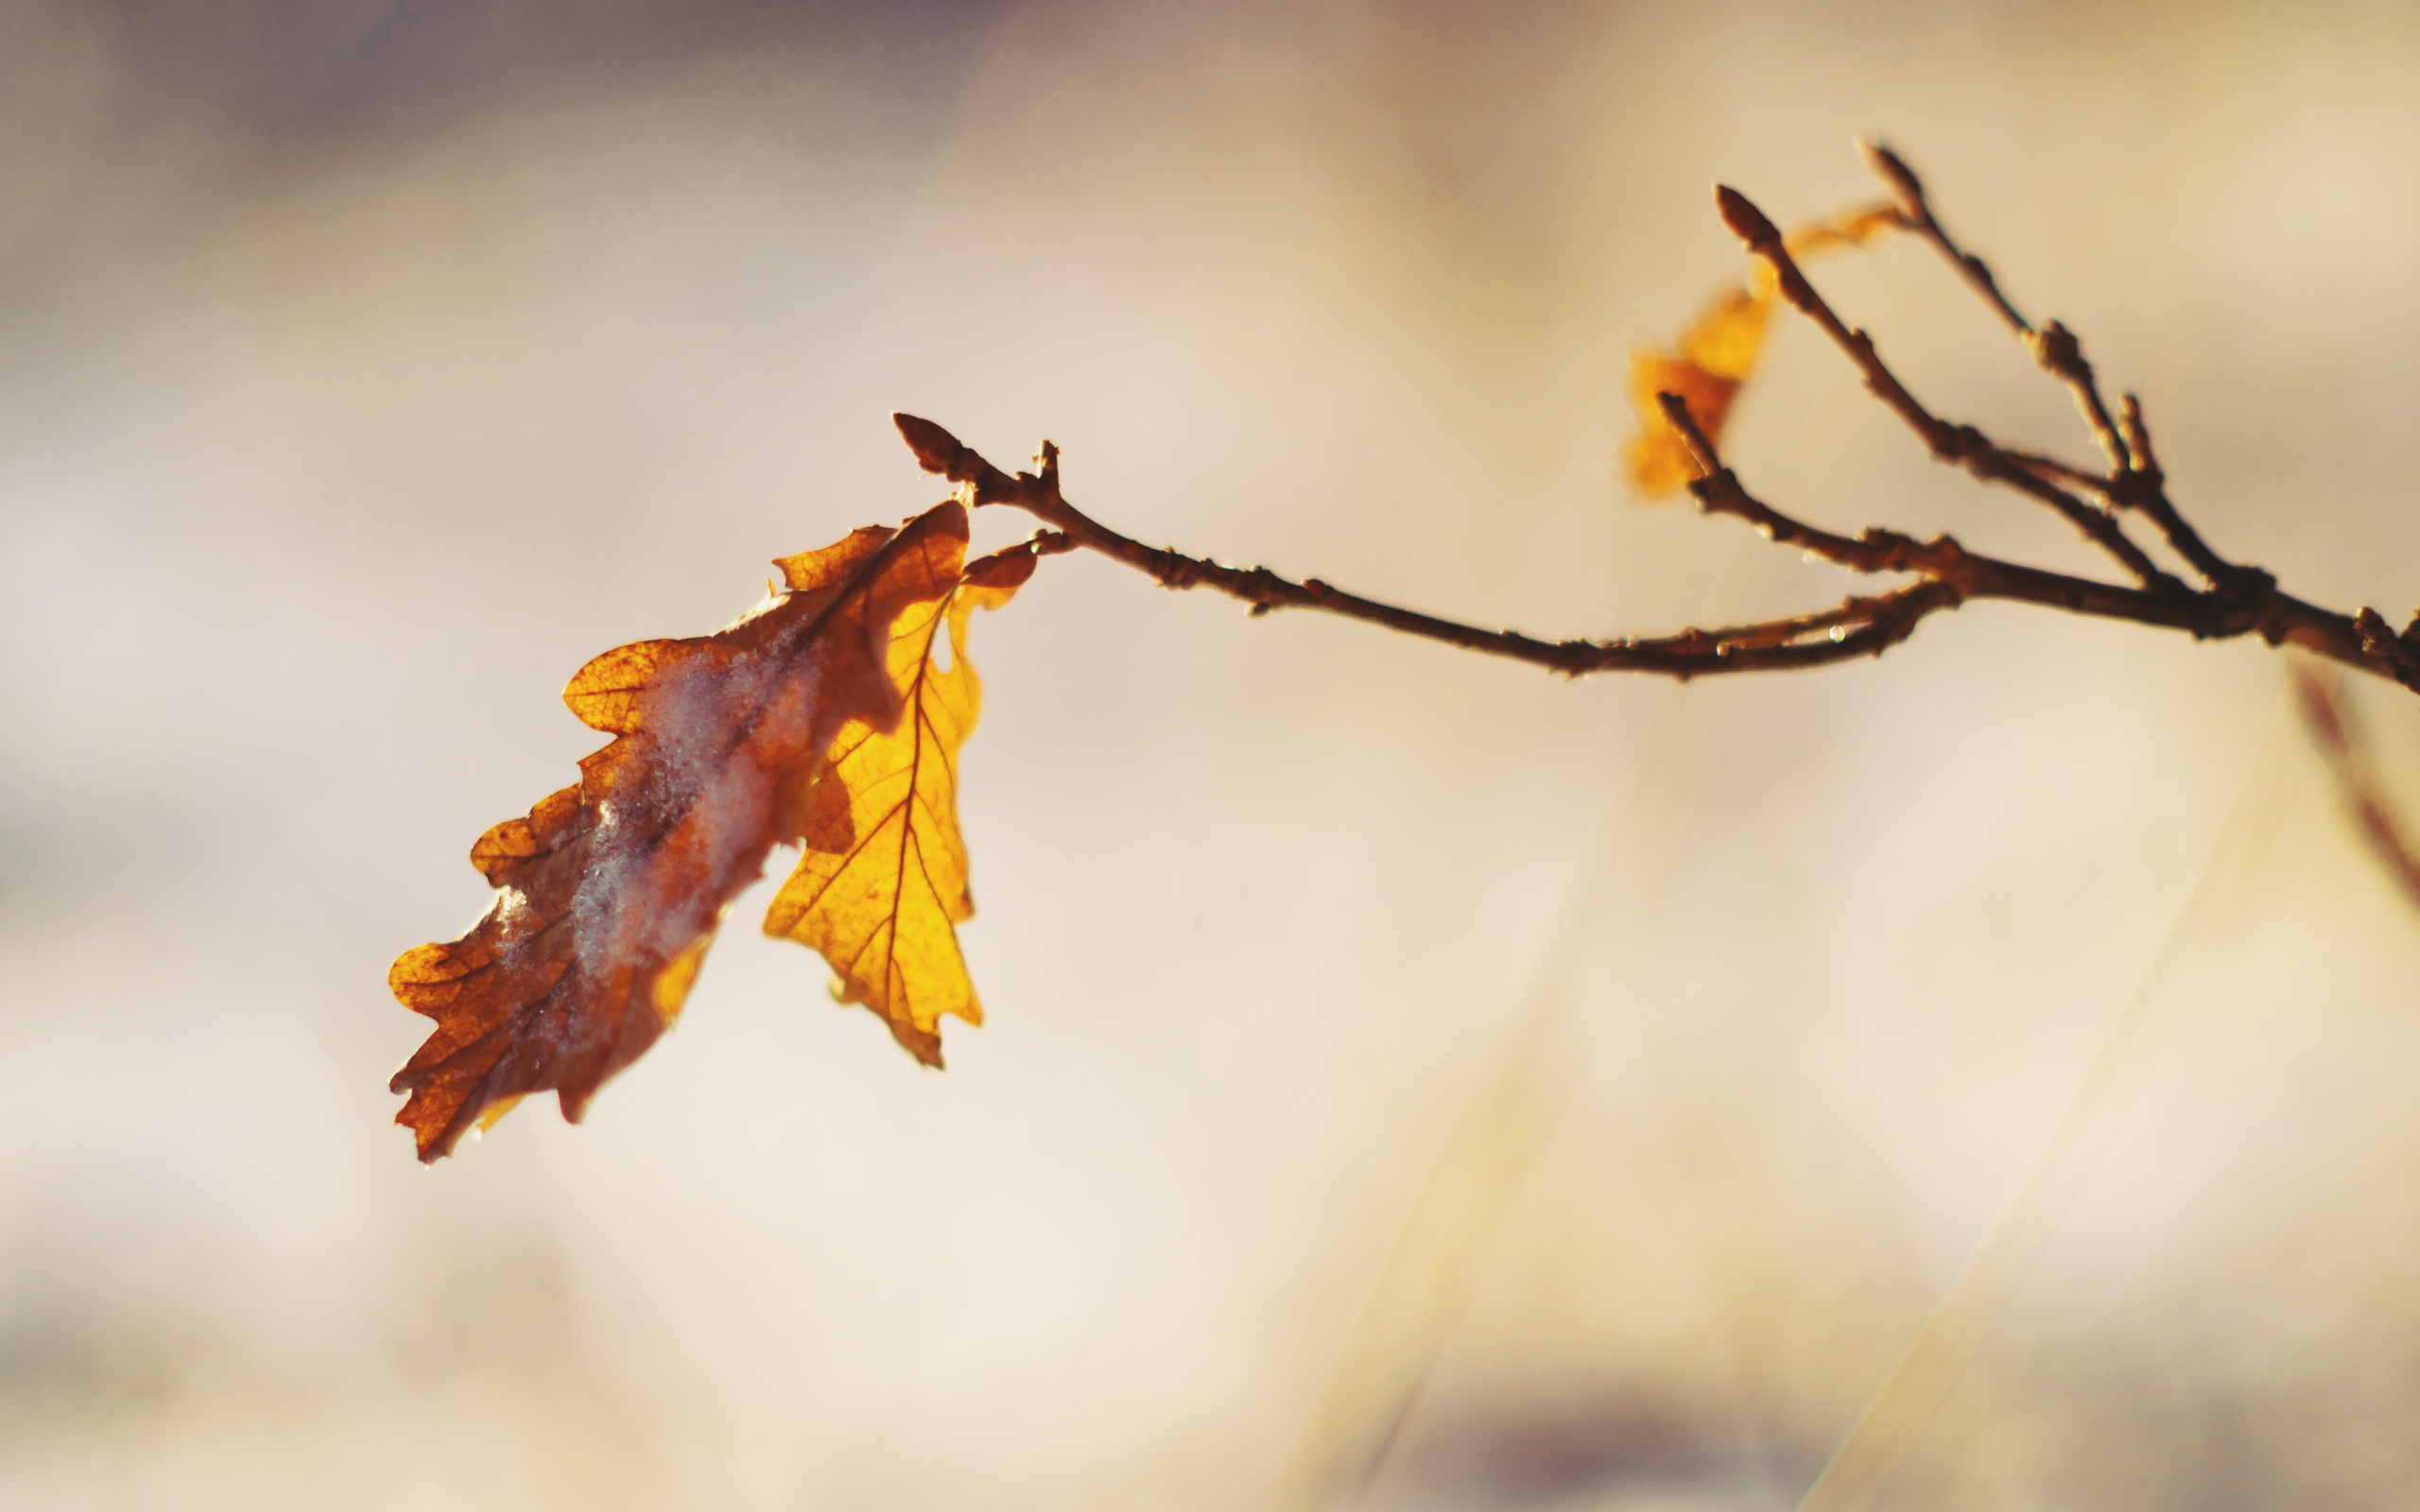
(1746, 221)
(1905, 185)
(937, 450)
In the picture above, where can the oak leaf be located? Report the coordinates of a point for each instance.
(609, 891)
(881, 881)
(1719, 352)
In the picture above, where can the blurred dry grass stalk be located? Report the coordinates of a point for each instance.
(2329, 718)
(1683, 399)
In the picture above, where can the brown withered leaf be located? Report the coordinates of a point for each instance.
(881, 881)
(611, 890)
(1718, 353)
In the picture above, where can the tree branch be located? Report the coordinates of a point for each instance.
(1861, 626)
(2237, 601)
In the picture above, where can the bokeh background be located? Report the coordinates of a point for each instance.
(365, 367)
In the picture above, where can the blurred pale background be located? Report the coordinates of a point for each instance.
(366, 366)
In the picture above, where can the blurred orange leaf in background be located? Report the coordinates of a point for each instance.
(1718, 353)
(766, 732)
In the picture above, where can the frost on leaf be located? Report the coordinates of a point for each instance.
(610, 890)
(881, 881)
(1718, 353)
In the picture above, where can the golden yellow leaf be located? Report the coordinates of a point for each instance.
(881, 881)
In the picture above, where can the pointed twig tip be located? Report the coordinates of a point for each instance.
(936, 449)
(1893, 170)
(1746, 221)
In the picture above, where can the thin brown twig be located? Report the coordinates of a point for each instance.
(2056, 469)
(1916, 208)
(1769, 645)
(2053, 346)
(2138, 435)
